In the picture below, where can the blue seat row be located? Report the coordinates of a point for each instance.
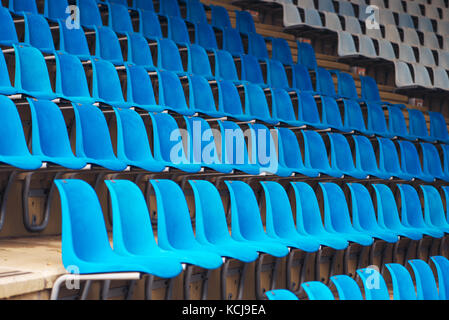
(85, 239)
(424, 286)
(283, 159)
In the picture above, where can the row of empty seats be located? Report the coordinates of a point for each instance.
(223, 153)
(85, 242)
(424, 287)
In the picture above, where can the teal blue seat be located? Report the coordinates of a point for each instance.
(38, 33)
(442, 266)
(374, 284)
(280, 294)
(433, 209)
(347, 288)
(365, 158)
(317, 291)
(426, 287)
(140, 89)
(107, 45)
(403, 287)
(119, 18)
(171, 94)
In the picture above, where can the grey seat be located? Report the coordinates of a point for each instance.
(443, 28)
(392, 34)
(326, 6)
(440, 78)
(306, 4)
(403, 75)
(366, 47)
(422, 77)
(386, 50)
(345, 8)
(332, 21)
(443, 59)
(378, 3)
(407, 54)
(312, 18)
(405, 21)
(352, 25)
(411, 37)
(431, 41)
(431, 12)
(291, 15)
(396, 6)
(346, 45)
(413, 8)
(426, 57)
(386, 17)
(425, 24)
(375, 33)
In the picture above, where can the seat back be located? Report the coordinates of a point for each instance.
(353, 116)
(38, 33)
(411, 213)
(251, 70)
(281, 51)
(331, 113)
(276, 75)
(365, 157)
(244, 22)
(205, 36)
(233, 146)
(255, 102)
(177, 30)
(149, 25)
(73, 41)
(442, 265)
(71, 79)
(289, 152)
(301, 78)
(232, 42)
(388, 156)
(347, 288)
(228, 98)
(387, 211)
(169, 8)
(196, 12)
(410, 159)
(426, 286)
(438, 127)
(363, 214)
(106, 82)
(201, 98)
(315, 155)
(282, 106)
(317, 291)
(220, 17)
(21, 6)
(168, 56)
(171, 92)
(341, 154)
(306, 55)
(139, 52)
(198, 61)
(89, 13)
(376, 119)
(119, 18)
(139, 87)
(403, 287)
(224, 66)
(431, 161)
(308, 110)
(325, 83)
(374, 284)
(9, 34)
(257, 46)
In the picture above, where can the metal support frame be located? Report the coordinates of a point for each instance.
(132, 276)
(151, 284)
(347, 255)
(225, 272)
(4, 197)
(261, 267)
(318, 259)
(27, 193)
(302, 274)
(126, 291)
(189, 278)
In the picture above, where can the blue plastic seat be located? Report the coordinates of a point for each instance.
(353, 117)
(229, 102)
(143, 4)
(13, 146)
(347, 288)
(196, 12)
(107, 45)
(133, 147)
(234, 149)
(442, 267)
(177, 30)
(336, 215)
(377, 124)
(365, 158)
(418, 125)
(106, 85)
(251, 70)
(149, 25)
(279, 219)
(388, 215)
(308, 218)
(410, 163)
(23, 6)
(301, 79)
(56, 9)
(38, 33)
(445, 148)
(71, 81)
(119, 18)
(364, 217)
(85, 240)
(139, 52)
(324, 83)
(140, 90)
(317, 291)
(257, 46)
(426, 287)
(315, 154)
(175, 232)
(132, 231)
(30, 65)
(232, 42)
(89, 13)
(198, 62)
(341, 157)
(276, 75)
(346, 86)
(374, 284)
(370, 91)
(220, 17)
(93, 141)
(225, 67)
(202, 148)
(438, 127)
(306, 55)
(397, 124)
(50, 140)
(290, 154)
(412, 215)
(5, 83)
(433, 209)
(264, 151)
(246, 221)
(256, 105)
(8, 36)
(282, 108)
(169, 8)
(211, 226)
(389, 160)
(201, 98)
(171, 93)
(73, 41)
(168, 56)
(281, 294)
(331, 116)
(281, 51)
(168, 145)
(244, 22)
(205, 36)
(431, 162)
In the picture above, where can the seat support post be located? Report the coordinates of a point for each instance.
(302, 274)
(260, 267)
(225, 272)
(189, 278)
(4, 197)
(151, 284)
